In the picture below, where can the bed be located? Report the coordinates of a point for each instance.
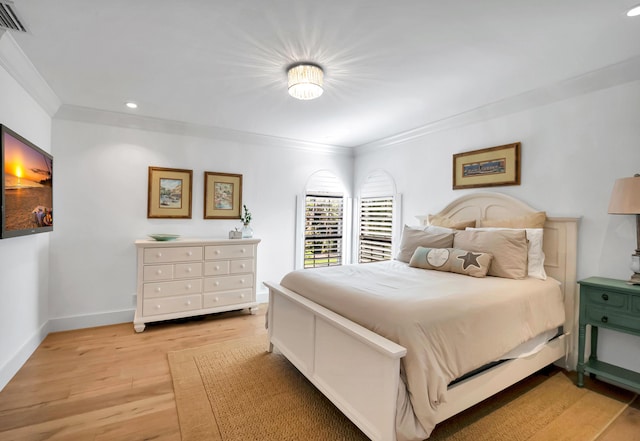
(365, 374)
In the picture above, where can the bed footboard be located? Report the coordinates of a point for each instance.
(358, 370)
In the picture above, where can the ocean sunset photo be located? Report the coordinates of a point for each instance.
(27, 185)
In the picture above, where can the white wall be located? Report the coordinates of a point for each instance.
(24, 261)
(572, 152)
(101, 208)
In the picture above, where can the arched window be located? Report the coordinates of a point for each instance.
(324, 215)
(378, 208)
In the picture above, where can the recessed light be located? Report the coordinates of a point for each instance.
(634, 12)
(131, 105)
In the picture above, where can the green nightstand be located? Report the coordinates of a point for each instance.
(611, 304)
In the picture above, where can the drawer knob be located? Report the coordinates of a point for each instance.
(605, 297)
(216, 299)
(217, 252)
(159, 272)
(189, 270)
(243, 265)
(216, 283)
(241, 281)
(242, 296)
(189, 253)
(157, 306)
(604, 319)
(188, 303)
(243, 250)
(188, 286)
(158, 289)
(159, 255)
(217, 267)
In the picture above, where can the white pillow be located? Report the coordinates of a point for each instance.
(535, 255)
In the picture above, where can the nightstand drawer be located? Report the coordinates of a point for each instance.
(606, 298)
(607, 318)
(635, 305)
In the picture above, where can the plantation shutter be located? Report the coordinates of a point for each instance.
(323, 234)
(378, 211)
(376, 229)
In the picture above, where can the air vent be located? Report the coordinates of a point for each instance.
(9, 19)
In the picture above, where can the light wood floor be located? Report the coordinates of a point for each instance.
(109, 383)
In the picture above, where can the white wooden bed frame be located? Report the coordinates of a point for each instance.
(358, 370)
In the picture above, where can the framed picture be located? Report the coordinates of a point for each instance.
(169, 193)
(489, 167)
(222, 195)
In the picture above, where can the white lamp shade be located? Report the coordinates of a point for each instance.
(305, 81)
(625, 197)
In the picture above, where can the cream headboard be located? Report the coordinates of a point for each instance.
(560, 244)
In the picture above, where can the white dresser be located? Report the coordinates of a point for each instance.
(189, 277)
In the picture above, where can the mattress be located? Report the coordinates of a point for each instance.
(450, 323)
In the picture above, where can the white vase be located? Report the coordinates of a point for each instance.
(247, 231)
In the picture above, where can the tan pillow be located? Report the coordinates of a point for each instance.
(442, 221)
(508, 247)
(452, 260)
(413, 238)
(533, 220)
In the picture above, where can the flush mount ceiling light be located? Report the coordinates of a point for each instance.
(305, 81)
(634, 12)
(131, 105)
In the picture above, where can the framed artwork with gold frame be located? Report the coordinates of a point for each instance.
(490, 167)
(169, 193)
(222, 195)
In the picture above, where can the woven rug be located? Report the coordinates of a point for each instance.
(236, 391)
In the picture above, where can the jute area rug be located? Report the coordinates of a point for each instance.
(236, 391)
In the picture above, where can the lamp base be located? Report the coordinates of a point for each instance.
(635, 279)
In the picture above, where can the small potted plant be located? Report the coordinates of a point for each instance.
(247, 231)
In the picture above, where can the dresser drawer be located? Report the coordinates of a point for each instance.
(635, 304)
(166, 289)
(608, 318)
(606, 298)
(226, 283)
(167, 305)
(212, 300)
(177, 254)
(241, 266)
(216, 268)
(186, 270)
(228, 251)
(157, 272)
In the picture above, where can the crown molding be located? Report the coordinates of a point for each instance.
(613, 75)
(18, 65)
(130, 121)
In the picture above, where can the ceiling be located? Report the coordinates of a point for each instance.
(390, 66)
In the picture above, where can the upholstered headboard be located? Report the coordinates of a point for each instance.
(559, 245)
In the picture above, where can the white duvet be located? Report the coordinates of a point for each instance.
(449, 323)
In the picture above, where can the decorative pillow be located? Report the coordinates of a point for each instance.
(442, 221)
(452, 260)
(508, 247)
(535, 255)
(412, 238)
(533, 220)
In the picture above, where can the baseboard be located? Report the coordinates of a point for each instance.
(13, 365)
(91, 320)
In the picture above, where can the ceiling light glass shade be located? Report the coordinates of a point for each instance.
(305, 81)
(634, 12)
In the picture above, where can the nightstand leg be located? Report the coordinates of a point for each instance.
(581, 336)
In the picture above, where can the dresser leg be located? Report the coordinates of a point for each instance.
(253, 310)
(581, 337)
(139, 327)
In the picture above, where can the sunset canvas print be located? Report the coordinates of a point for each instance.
(27, 189)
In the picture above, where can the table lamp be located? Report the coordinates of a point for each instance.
(625, 199)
